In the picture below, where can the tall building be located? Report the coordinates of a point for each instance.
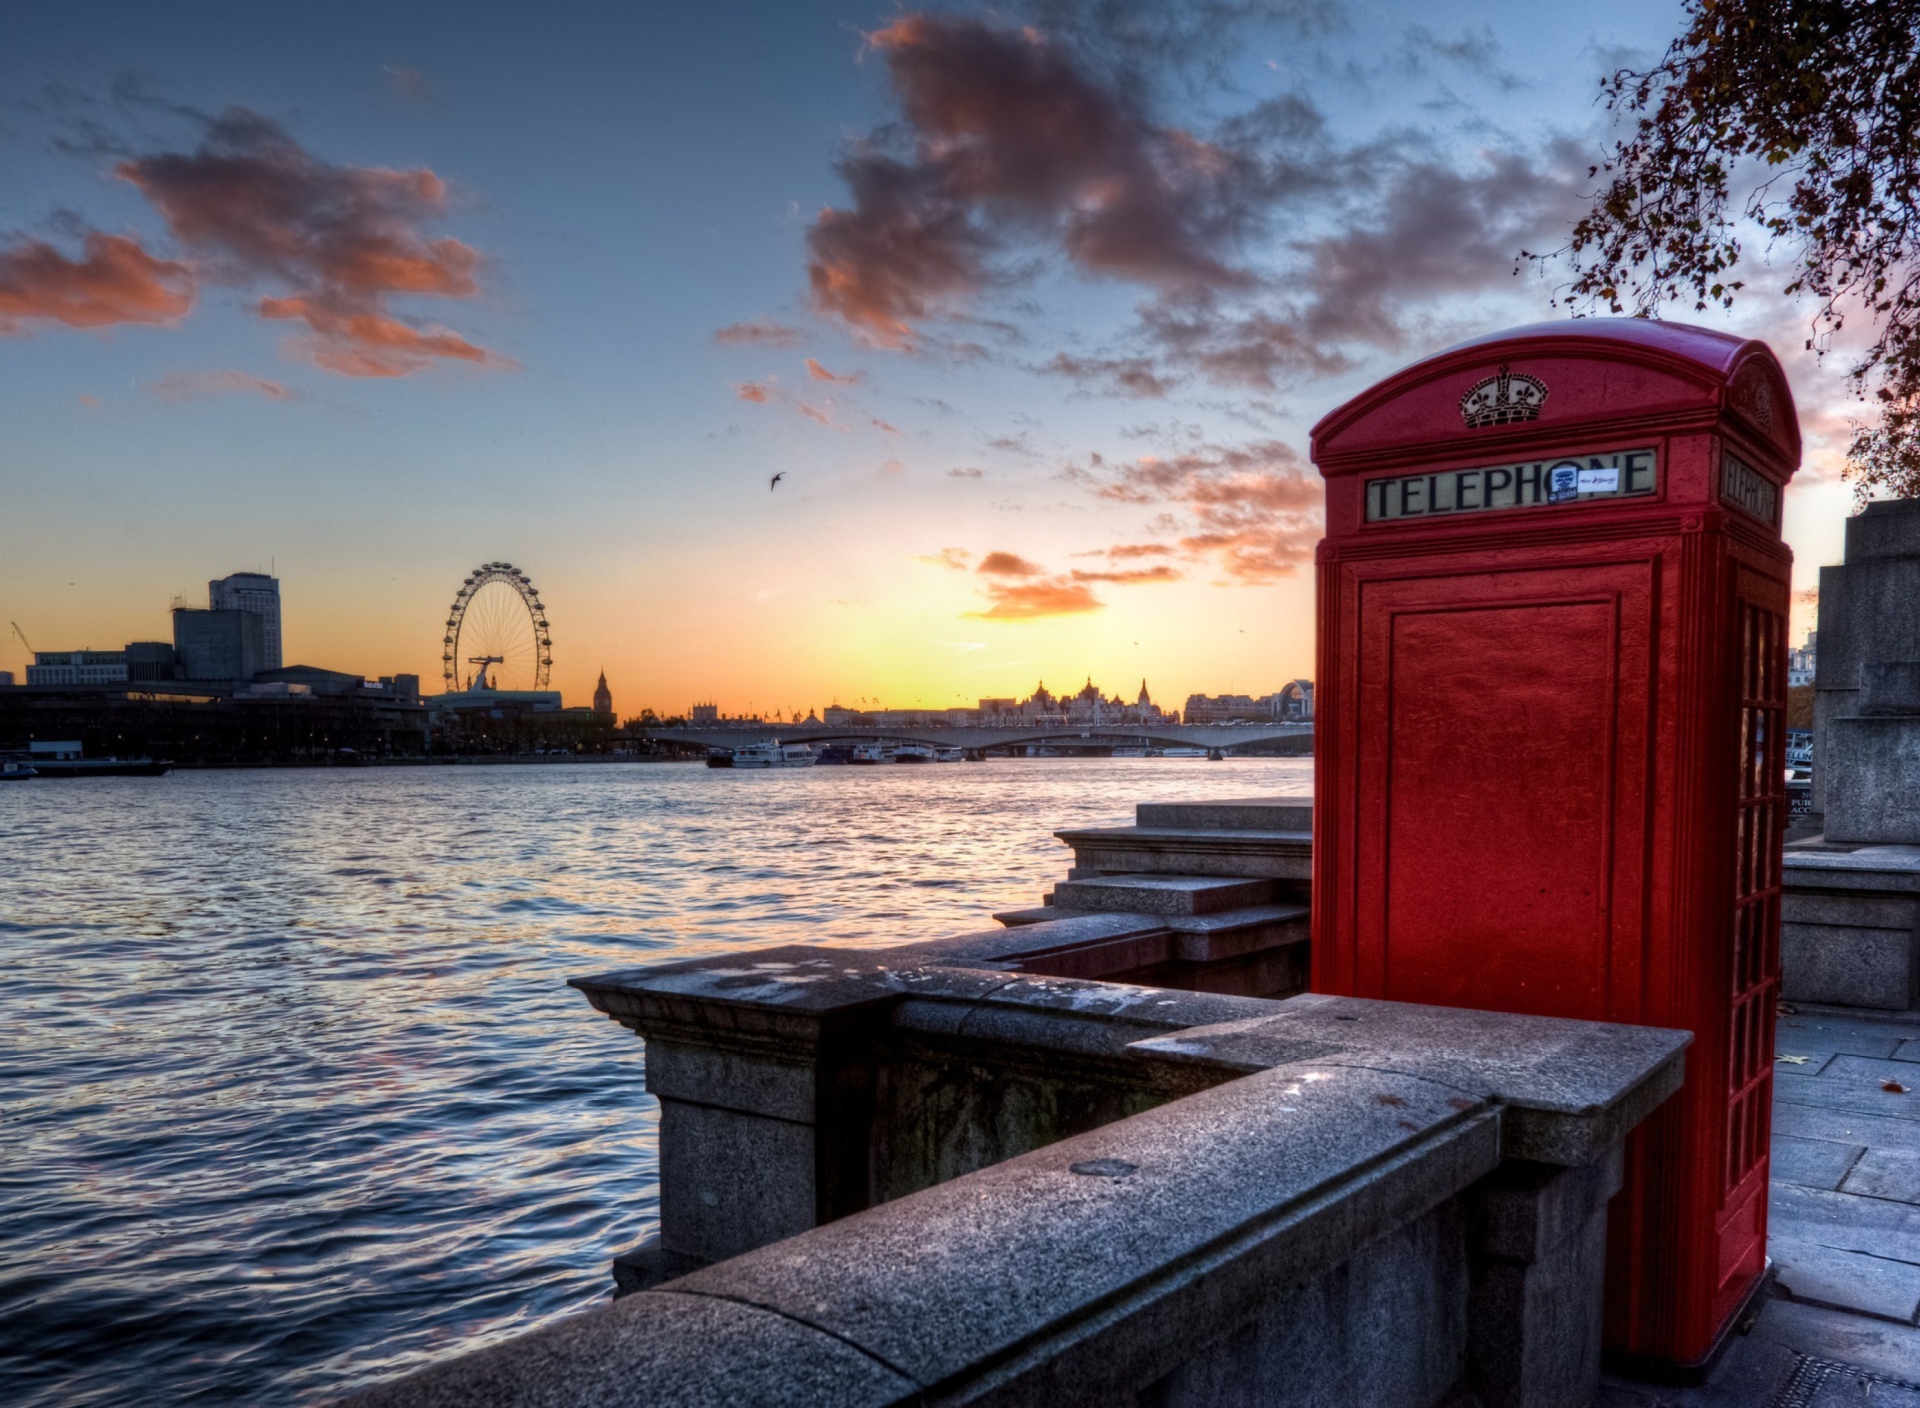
(255, 592)
(228, 645)
(602, 696)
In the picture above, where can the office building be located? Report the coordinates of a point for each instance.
(150, 660)
(255, 592)
(78, 667)
(229, 645)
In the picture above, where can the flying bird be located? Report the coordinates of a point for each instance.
(774, 482)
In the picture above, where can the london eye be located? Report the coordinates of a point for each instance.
(497, 634)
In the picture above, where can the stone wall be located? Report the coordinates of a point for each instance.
(1333, 1202)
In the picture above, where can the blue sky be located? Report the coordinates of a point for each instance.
(629, 181)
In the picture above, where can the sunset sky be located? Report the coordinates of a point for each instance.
(1032, 305)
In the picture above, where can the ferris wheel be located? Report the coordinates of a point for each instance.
(497, 632)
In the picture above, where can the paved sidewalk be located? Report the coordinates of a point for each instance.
(1844, 1229)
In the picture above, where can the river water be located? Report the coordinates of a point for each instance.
(293, 1096)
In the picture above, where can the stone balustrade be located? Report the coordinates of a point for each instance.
(982, 1170)
(924, 1183)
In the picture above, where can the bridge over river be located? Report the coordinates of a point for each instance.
(1224, 738)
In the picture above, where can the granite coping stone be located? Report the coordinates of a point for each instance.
(1164, 894)
(1088, 1017)
(1216, 838)
(1090, 1267)
(1894, 869)
(645, 1349)
(1057, 933)
(1573, 1087)
(1234, 813)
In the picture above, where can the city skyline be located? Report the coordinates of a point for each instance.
(439, 316)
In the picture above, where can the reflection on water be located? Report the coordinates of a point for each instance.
(292, 1095)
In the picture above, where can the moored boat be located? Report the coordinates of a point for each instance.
(17, 772)
(913, 753)
(949, 754)
(866, 754)
(68, 760)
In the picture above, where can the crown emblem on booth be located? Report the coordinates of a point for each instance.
(1502, 399)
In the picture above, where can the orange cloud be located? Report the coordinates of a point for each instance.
(186, 386)
(1006, 564)
(1252, 506)
(366, 344)
(87, 401)
(820, 373)
(1029, 601)
(882, 425)
(115, 281)
(753, 391)
(346, 239)
(956, 558)
(1131, 575)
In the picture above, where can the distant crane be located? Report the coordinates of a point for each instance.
(23, 637)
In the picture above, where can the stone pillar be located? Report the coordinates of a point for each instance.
(1538, 1239)
(763, 1066)
(1850, 896)
(1866, 756)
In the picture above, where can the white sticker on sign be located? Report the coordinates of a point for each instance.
(1599, 481)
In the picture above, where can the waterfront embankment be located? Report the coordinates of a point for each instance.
(298, 1097)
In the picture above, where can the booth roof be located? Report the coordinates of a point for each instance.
(1711, 349)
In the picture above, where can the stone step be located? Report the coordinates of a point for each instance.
(1210, 938)
(1272, 855)
(1163, 894)
(1237, 814)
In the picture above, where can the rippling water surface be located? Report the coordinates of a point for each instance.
(292, 1094)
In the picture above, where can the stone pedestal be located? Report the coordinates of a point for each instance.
(1850, 895)
(1866, 752)
(1850, 925)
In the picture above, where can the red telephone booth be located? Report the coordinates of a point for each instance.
(1550, 769)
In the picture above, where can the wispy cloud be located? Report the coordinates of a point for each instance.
(189, 386)
(760, 332)
(1253, 507)
(820, 373)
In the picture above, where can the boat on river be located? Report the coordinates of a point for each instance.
(867, 754)
(913, 753)
(949, 754)
(764, 755)
(11, 771)
(70, 760)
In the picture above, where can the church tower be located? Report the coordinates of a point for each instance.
(1144, 700)
(602, 696)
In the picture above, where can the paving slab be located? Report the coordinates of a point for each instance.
(1843, 1278)
(1893, 1174)
(1792, 1356)
(1846, 1036)
(1859, 1083)
(1813, 1163)
(1879, 1131)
